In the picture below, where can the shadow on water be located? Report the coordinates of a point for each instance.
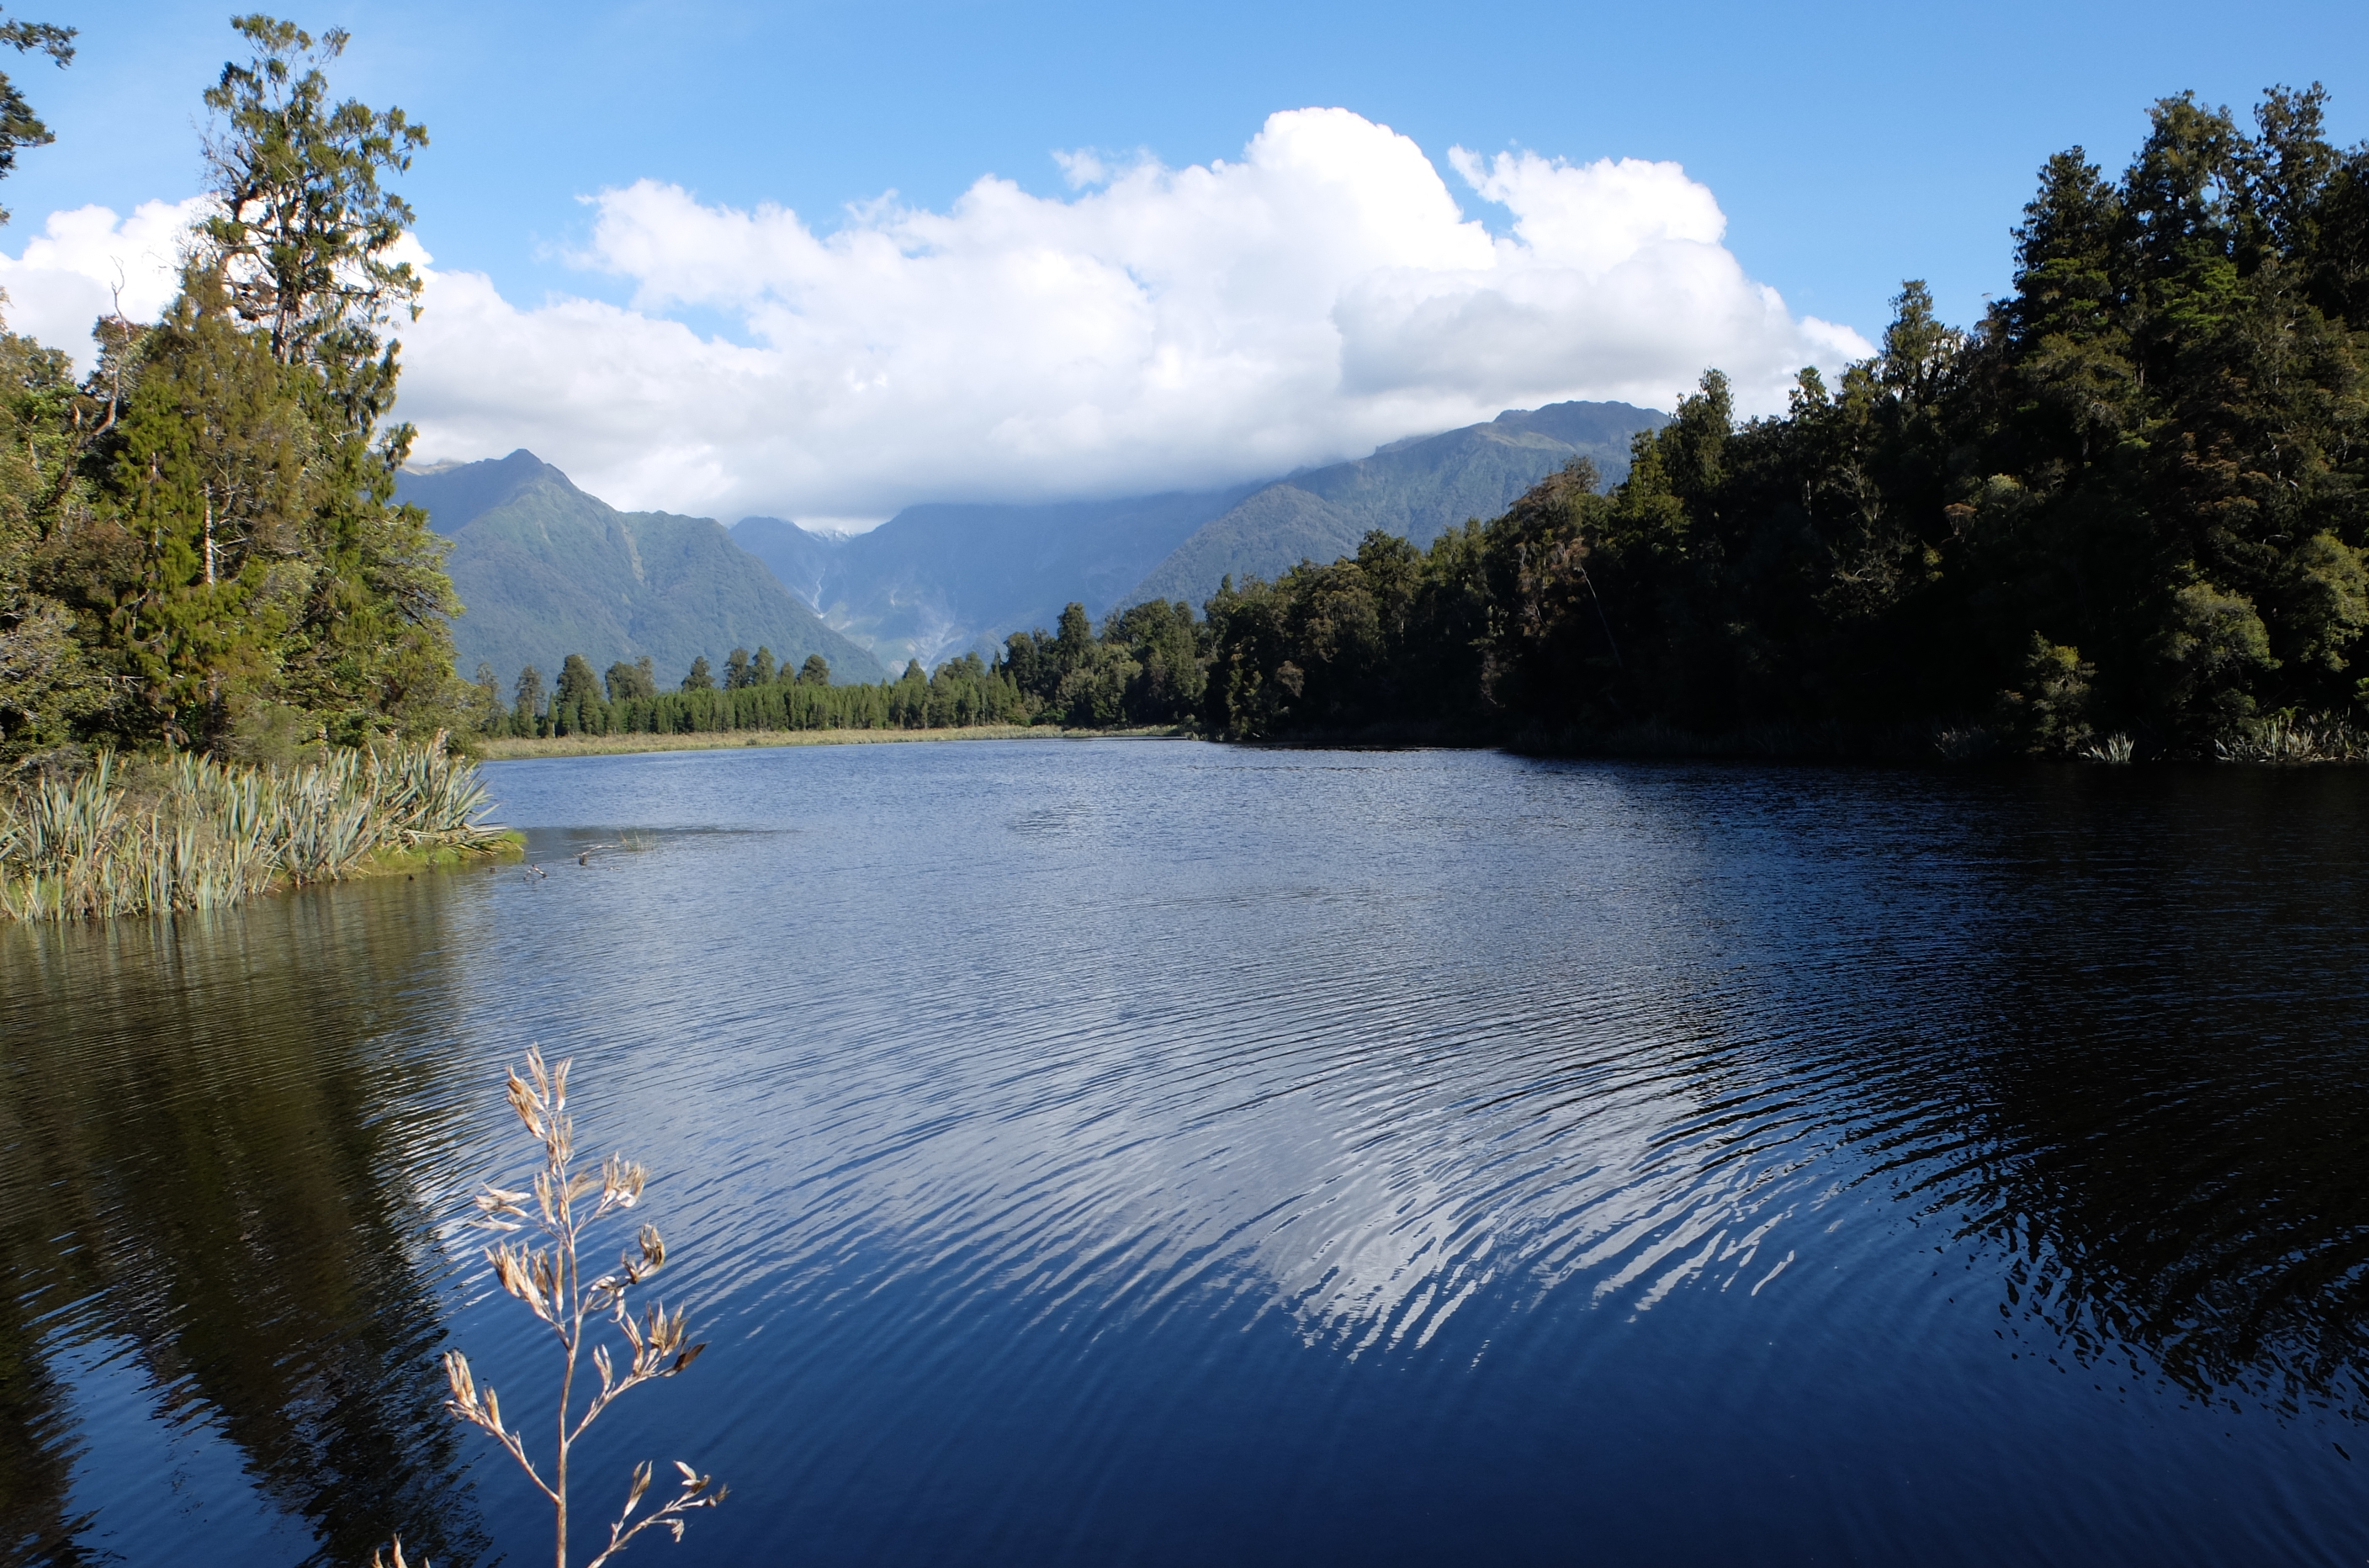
(205, 1124)
(2110, 1030)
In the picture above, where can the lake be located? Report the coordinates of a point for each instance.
(1162, 1153)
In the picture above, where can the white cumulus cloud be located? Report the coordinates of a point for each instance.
(1158, 328)
(84, 261)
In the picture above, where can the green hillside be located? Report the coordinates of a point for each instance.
(1414, 488)
(546, 570)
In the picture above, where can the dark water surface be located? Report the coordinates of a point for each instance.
(1110, 1154)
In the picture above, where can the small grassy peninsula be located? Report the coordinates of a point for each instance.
(143, 835)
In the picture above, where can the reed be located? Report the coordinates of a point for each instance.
(563, 1204)
(194, 833)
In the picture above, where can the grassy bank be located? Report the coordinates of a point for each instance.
(142, 835)
(495, 749)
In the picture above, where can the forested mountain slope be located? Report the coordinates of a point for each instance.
(546, 570)
(1413, 488)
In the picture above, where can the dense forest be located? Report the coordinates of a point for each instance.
(2124, 513)
(198, 545)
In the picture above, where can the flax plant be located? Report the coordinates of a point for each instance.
(548, 1280)
(2283, 740)
(195, 833)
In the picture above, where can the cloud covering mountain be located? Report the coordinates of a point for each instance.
(1155, 328)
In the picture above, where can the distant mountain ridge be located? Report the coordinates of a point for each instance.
(940, 578)
(1416, 488)
(546, 570)
(943, 578)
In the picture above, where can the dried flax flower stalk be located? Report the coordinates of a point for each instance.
(547, 1279)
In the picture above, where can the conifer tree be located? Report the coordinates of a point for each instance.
(525, 716)
(627, 681)
(489, 701)
(301, 244)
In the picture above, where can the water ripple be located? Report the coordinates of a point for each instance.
(1178, 1154)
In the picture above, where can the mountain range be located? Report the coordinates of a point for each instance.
(547, 570)
(1416, 488)
(939, 579)
(936, 579)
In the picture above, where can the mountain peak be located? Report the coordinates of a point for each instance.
(547, 570)
(454, 495)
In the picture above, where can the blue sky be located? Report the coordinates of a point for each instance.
(1847, 145)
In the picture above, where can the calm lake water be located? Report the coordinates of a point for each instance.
(1166, 1154)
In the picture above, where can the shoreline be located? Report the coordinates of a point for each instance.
(509, 749)
(508, 845)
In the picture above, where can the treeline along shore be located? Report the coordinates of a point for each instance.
(1147, 668)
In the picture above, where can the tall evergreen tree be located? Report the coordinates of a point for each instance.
(301, 247)
(210, 478)
(577, 681)
(530, 701)
(489, 709)
(626, 681)
(1073, 646)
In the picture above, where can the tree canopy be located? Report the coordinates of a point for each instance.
(198, 542)
(19, 126)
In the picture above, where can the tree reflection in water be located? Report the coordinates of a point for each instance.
(214, 1165)
(2147, 1090)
